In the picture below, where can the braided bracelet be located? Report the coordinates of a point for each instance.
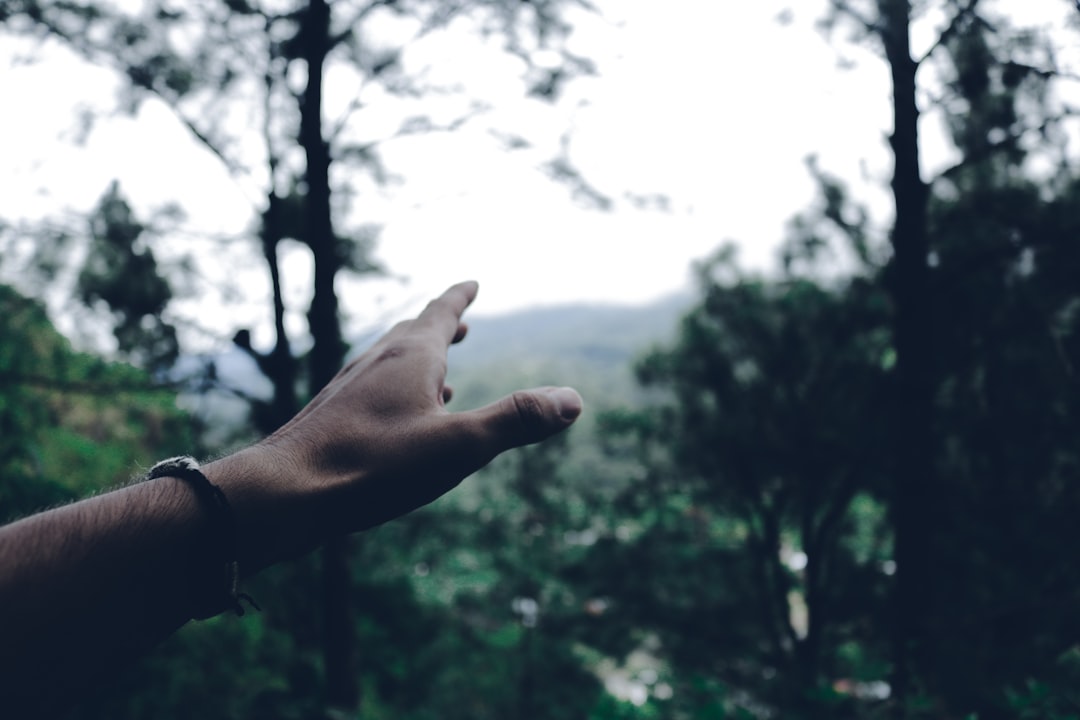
(211, 496)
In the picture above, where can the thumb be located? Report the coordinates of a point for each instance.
(526, 416)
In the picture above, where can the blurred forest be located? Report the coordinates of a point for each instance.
(810, 493)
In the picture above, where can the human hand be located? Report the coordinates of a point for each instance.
(378, 441)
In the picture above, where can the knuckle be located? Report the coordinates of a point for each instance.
(390, 353)
(399, 346)
(529, 412)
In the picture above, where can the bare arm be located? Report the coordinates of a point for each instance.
(100, 581)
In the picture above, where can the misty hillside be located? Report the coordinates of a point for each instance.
(603, 333)
(590, 347)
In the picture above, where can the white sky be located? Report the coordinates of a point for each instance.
(711, 103)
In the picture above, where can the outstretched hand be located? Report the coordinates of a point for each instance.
(378, 441)
(98, 582)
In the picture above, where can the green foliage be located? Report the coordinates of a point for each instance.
(223, 668)
(23, 416)
(72, 423)
(751, 563)
(496, 620)
(1054, 696)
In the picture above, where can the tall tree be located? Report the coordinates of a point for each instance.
(763, 572)
(888, 23)
(121, 272)
(751, 565)
(209, 60)
(986, 134)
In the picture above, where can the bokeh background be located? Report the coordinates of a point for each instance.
(814, 267)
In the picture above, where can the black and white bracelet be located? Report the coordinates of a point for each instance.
(186, 468)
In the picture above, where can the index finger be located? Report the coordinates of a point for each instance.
(443, 314)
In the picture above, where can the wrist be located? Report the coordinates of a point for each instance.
(280, 513)
(261, 502)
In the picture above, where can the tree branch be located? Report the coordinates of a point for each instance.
(989, 150)
(98, 54)
(82, 387)
(1041, 72)
(366, 10)
(948, 32)
(874, 28)
(778, 596)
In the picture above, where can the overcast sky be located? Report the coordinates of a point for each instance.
(713, 105)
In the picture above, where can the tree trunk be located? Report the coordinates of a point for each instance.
(914, 481)
(328, 348)
(280, 363)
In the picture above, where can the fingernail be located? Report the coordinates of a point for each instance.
(567, 401)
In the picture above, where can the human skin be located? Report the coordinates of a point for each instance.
(90, 586)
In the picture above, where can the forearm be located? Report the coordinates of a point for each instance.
(96, 583)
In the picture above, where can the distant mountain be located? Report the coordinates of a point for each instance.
(592, 347)
(603, 332)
